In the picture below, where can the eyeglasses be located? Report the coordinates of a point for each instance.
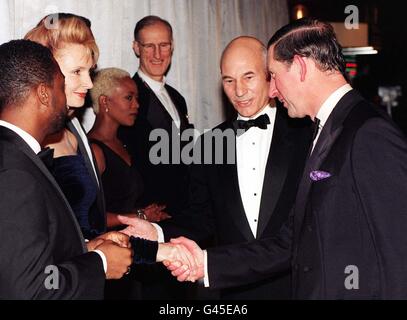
(150, 47)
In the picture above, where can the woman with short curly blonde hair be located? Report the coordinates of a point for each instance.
(114, 98)
(104, 83)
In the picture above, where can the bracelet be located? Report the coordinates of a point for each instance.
(141, 214)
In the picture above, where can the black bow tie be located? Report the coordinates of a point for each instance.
(47, 156)
(260, 122)
(315, 127)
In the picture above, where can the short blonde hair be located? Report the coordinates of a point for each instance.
(68, 29)
(104, 82)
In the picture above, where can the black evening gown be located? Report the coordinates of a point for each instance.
(122, 184)
(123, 187)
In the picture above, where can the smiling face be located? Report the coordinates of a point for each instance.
(75, 63)
(154, 48)
(244, 78)
(122, 102)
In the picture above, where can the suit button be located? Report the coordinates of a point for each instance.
(307, 269)
(309, 228)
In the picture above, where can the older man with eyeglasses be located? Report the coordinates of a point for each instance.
(161, 107)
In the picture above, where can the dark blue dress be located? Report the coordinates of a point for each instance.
(73, 177)
(77, 185)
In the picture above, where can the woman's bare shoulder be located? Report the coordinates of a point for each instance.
(64, 143)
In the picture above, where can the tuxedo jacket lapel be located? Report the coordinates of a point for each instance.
(330, 132)
(156, 114)
(180, 106)
(274, 177)
(233, 199)
(275, 173)
(15, 139)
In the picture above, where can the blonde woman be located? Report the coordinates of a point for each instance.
(74, 48)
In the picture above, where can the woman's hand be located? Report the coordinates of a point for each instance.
(155, 213)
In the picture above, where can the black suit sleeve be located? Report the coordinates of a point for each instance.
(27, 246)
(196, 221)
(379, 163)
(241, 264)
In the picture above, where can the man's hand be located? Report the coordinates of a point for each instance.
(138, 227)
(120, 238)
(118, 259)
(176, 253)
(180, 268)
(92, 244)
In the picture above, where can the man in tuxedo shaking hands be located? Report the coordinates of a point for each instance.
(346, 236)
(249, 198)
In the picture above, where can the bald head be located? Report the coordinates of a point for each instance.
(245, 46)
(244, 75)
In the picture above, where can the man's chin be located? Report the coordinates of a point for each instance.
(58, 124)
(157, 73)
(291, 112)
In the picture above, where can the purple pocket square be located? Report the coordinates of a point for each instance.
(319, 175)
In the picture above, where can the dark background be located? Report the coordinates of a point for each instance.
(387, 23)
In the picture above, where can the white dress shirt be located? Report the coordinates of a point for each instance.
(159, 90)
(29, 139)
(328, 106)
(252, 150)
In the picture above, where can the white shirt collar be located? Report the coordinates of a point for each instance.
(155, 85)
(267, 109)
(330, 103)
(29, 139)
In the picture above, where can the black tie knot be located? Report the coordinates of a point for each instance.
(260, 122)
(315, 127)
(47, 156)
